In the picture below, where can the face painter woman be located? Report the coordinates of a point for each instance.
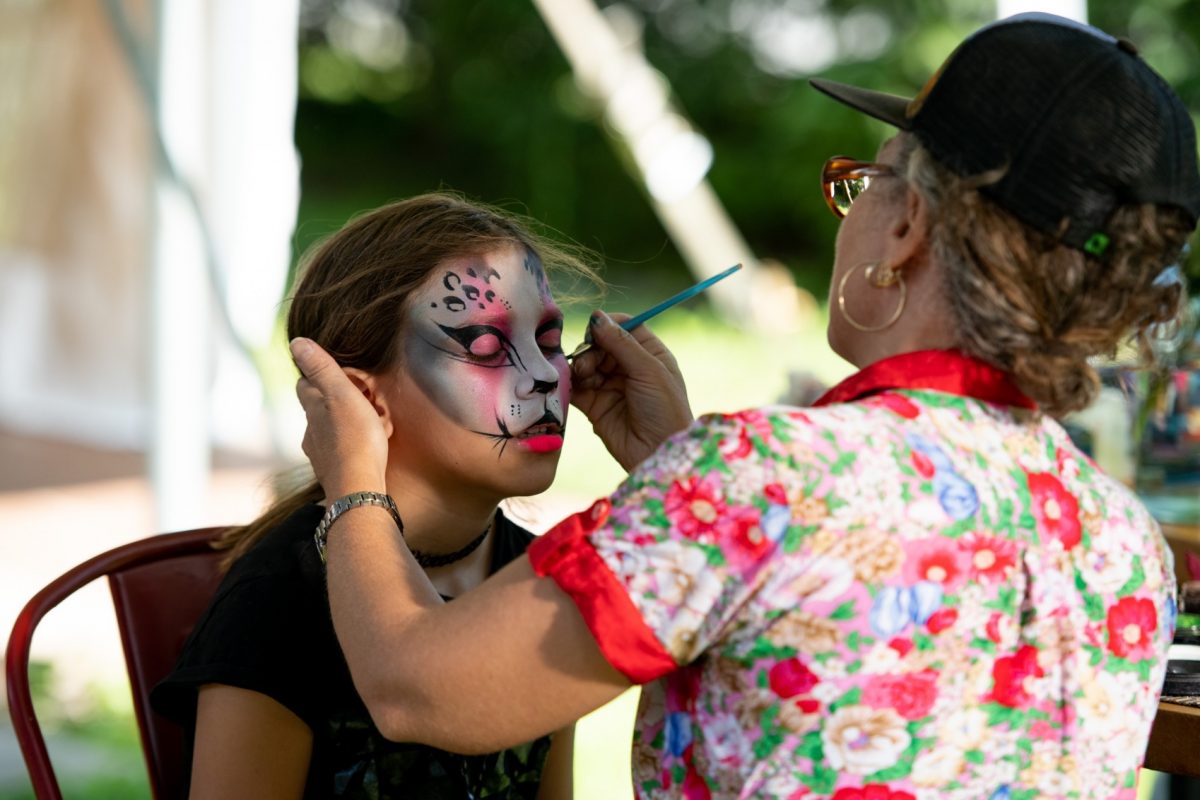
(441, 315)
(918, 587)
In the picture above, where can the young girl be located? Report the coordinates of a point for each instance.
(441, 312)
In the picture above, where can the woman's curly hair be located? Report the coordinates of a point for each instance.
(1037, 308)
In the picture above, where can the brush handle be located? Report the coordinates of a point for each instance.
(655, 310)
(674, 300)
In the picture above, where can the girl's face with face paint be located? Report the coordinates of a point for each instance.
(482, 388)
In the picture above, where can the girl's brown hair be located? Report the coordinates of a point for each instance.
(1037, 308)
(353, 287)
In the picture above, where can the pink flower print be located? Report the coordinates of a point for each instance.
(990, 559)
(872, 791)
(791, 677)
(1041, 729)
(1130, 625)
(735, 449)
(1055, 509)
(1011, 675)
(760, 422)
(694, 507)
(752, 421)
(911, 695)
(740, 532)
(936, 560)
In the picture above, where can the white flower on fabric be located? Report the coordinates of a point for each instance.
(826, 692)
(938, 766)
(927, 514)
(824, 579)
(687, 574)
(726, 741)
(830, 669)
(881, 658)
(967, 728)
(862, 740)
(1052, 784)
(1105, 702)
(1106, 565)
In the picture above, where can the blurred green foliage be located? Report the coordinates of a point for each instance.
(405, 96)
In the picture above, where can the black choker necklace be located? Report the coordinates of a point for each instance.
(428, 560)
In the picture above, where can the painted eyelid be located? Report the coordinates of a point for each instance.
(467, 335)
(551, 329)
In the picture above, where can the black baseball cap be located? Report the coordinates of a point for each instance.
(1082, 124)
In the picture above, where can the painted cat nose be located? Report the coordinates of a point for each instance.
(532, 385)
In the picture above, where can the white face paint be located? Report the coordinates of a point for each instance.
(483, 342)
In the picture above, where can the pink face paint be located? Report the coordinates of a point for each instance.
(483, 341)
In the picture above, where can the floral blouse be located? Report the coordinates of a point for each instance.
(919, 589)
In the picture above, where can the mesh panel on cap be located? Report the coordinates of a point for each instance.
(1082, 126)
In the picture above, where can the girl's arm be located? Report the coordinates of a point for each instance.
(247, 745)
(558, 774)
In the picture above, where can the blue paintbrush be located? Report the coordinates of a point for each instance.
(690, 292)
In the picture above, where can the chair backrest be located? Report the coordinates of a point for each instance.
(160, 586)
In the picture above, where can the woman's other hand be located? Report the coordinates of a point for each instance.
(346, 440)
(630, 388)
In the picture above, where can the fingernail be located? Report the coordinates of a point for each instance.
(599, 319)
(299, 346)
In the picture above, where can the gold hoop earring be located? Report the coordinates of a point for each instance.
(888, 276)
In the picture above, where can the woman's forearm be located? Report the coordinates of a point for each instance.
(377, 593)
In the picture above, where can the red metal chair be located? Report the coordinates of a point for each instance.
(160, 586)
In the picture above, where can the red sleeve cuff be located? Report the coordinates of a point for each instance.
(565, 554)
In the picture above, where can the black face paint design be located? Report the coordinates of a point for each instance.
(502, 438)
(533, 265)
(468, 335)
(473, 290)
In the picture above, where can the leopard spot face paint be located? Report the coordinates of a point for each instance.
(483, 341)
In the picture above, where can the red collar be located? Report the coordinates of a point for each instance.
(939, 370)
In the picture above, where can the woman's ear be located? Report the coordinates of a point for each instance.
(372, 388)
(908, 234)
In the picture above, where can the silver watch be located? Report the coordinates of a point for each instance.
(343, 504)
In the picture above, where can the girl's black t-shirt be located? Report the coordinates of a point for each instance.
(269, 630)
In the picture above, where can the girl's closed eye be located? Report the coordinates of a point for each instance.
(481, 343)
(549, 336)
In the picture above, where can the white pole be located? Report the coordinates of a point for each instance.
(180, 295)
(672, 158)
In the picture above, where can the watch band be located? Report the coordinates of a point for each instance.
(353, 500)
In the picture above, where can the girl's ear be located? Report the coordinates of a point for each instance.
(372, 388)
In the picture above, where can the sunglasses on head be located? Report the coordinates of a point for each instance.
(844, 179)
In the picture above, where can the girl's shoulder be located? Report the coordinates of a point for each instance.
(286, 552)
